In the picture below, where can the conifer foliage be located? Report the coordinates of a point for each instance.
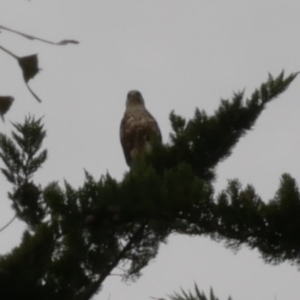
(197, 295)
(76, 237)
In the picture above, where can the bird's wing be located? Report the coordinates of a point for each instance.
(127, 141)
(135, 131)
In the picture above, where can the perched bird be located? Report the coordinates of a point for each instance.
(138, 128)
(5, 104)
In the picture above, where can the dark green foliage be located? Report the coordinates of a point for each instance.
(77, 237)
(24, 268)
(196, 296)
(204, 141)
(272, 228)
(22, 158)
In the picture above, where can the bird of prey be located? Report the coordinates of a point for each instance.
(138, 127)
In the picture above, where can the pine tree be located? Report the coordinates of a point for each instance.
(75, 237)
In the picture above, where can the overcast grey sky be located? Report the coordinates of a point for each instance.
(180, 55)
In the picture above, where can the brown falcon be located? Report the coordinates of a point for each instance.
(138, 127)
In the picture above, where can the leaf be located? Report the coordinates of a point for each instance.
(5, 104)
(29, 66)
(65, 42)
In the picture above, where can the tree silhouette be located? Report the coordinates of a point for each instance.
(75, 238)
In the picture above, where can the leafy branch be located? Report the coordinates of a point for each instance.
(29, 64)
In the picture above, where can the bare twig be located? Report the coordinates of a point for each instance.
(30, 37)
(33, 93)
(5, 226)
(9, 53)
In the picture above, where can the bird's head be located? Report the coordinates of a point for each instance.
(135, 100)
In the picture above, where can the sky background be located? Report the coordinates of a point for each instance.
(180, 55)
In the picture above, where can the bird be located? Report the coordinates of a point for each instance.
(5, 104)
(138, 128)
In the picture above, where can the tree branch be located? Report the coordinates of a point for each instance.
(5, 226)
(30, 37)
(9, 52)
(92, 289)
